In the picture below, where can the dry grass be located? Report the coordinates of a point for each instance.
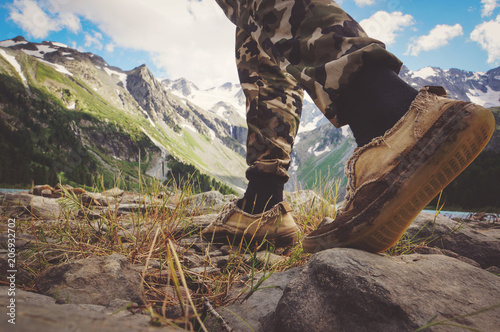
(175, 295)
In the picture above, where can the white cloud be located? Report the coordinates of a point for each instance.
(110, 47)
(93, 40)
(186, 38)
(489, 6)
(362, 3)
(384, 26)
(487, 34)
(28, 15)
(437, 37)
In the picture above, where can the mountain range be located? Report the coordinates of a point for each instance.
(83, 117)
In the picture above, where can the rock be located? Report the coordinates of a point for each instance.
(203, 270)
(193, 260)
(195, 243)
(37, 190)
(258, 310)
(304, 199)
(46, 193)
(23, 277)
(40, 313)
(57, 194)
(208, 202)
(132, 208)
(460, 258)
(77, 191)
(96, 280)
(89, 214)
(94, 199)
(494, 269)
(352, 290)
(62, 186)
(481, 245)
(203, 220)
(266, 257)
(31, 205)
(219, 261)
(114, 192)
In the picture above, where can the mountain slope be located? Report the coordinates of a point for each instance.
(320, 147)
(480, 88)
(69, 114)
(110, 119)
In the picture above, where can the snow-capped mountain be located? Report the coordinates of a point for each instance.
(204, 127)
(227, 100)
(319, 146)
(480, 88)
(115, 116)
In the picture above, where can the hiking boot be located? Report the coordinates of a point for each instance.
(392, 178)
(233, 224)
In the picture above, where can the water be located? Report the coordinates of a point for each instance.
(451, 214)
(12, 191)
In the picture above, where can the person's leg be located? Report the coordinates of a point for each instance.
(352, 79)
(274, 105)
(321, 46)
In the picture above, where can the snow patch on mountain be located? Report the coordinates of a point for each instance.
(318, 153)
(120, 75)
(12, 60)
(425, 73)
(12, 42)
(58, 67)
(40, 51)
(60, 45)
(490, 98)
(208, 99)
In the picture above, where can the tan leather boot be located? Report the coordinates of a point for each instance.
(392, 178)
(276, 226)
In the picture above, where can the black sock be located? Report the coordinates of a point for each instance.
(263, 192)
(374, 102)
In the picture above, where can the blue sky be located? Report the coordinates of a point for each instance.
(193, 39)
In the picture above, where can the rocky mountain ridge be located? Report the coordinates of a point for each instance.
(312, 155)
(131, 104)
(196, 124)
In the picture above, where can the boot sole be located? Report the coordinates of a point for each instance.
(281, 241)
(439, 157)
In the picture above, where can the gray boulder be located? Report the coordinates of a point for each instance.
(352, 290)
(256, 313)
(207, 202)
(39, 207)
(95, 280)
(40, 313)
(477, 241)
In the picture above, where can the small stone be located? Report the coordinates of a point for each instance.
(115, 192)
(494, 270)
(193, 260)
(37, 190)
(95, 280)
(203, 270)
(269, 258)
(220, 261)
(428, 251)
(225, 249)
(46, 193)
(195, 243)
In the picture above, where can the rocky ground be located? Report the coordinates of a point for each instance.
(76, 271)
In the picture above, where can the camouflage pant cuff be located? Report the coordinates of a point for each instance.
(276, 167)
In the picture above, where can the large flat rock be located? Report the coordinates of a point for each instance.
(352, 290)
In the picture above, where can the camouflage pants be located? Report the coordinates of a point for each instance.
(284, 47)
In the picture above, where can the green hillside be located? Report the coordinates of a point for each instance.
(85, 128)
